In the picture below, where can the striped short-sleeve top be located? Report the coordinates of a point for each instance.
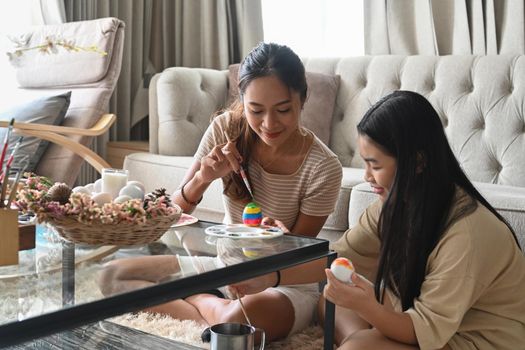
(313, 189)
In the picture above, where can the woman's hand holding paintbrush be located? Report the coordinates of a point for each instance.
(235, 159)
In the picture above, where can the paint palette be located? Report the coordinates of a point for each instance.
(241, 231)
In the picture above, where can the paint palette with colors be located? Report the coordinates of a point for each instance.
(241, 231)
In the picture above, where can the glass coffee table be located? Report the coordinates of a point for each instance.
(55, 286)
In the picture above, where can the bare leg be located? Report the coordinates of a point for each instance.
(133, 273)
(124, 275)
(346, 321)
(130, 274)
(262, 309)
(353, 333)
(371, 339)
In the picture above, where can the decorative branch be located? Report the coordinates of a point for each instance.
(51, 45)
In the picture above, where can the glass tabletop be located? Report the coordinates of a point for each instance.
(59, 285)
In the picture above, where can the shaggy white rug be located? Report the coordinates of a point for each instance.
(189, 332)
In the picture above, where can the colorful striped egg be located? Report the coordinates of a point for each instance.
(342, 268)
(252, 214)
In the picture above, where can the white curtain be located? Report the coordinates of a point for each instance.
(442, 27)
(48, 11)
(325, 28)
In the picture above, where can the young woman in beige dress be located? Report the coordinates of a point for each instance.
(446, 269)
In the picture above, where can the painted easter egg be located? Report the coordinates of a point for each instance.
(251, 253)
(342, 268)
(252, 214)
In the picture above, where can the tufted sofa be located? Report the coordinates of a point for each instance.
(480, 99)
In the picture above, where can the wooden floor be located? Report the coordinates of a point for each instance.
(103, 335)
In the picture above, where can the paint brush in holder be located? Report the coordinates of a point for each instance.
(24, 162)
(11, 157)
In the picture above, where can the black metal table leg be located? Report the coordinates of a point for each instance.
(329, 315)
(68, 273)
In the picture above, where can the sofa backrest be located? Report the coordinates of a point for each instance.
(480, 100)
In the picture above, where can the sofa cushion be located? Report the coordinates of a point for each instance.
(509, 201)
(68, 68)
(48, 110)
(320, 103)
(157, 171)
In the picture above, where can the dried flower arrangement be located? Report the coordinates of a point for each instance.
(67, 211)
(48, 200)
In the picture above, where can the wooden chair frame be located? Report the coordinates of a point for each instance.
(55, 134)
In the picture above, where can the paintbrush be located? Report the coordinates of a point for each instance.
(243, 309)
(241, 171)
(14, 188)
(12, 156)
(4, 186)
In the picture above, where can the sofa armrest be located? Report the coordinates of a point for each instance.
(181, 104)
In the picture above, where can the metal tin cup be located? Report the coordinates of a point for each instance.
(234, 336)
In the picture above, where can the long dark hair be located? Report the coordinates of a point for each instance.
(417, 210)
(264, 60)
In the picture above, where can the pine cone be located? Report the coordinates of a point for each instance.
(159, 192)
(155, 195)
(59, 192)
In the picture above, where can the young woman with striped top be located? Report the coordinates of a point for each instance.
(295, 179)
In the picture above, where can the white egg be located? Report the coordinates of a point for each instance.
(342, 269)
(90, 187)
(101, 198)
(132, 191)
(81, 189)
(97, 186)
(122, 199)
(138, 184)
(342, 273)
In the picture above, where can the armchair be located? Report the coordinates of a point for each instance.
(90, 76)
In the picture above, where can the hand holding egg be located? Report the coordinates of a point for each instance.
(350, 291)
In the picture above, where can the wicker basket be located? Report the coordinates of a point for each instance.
(123, 233)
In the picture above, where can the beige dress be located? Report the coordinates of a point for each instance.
(473, 295)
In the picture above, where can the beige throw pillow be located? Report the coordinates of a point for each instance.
(320, 102)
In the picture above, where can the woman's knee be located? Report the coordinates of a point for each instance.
(107, 278)
(231, 312)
